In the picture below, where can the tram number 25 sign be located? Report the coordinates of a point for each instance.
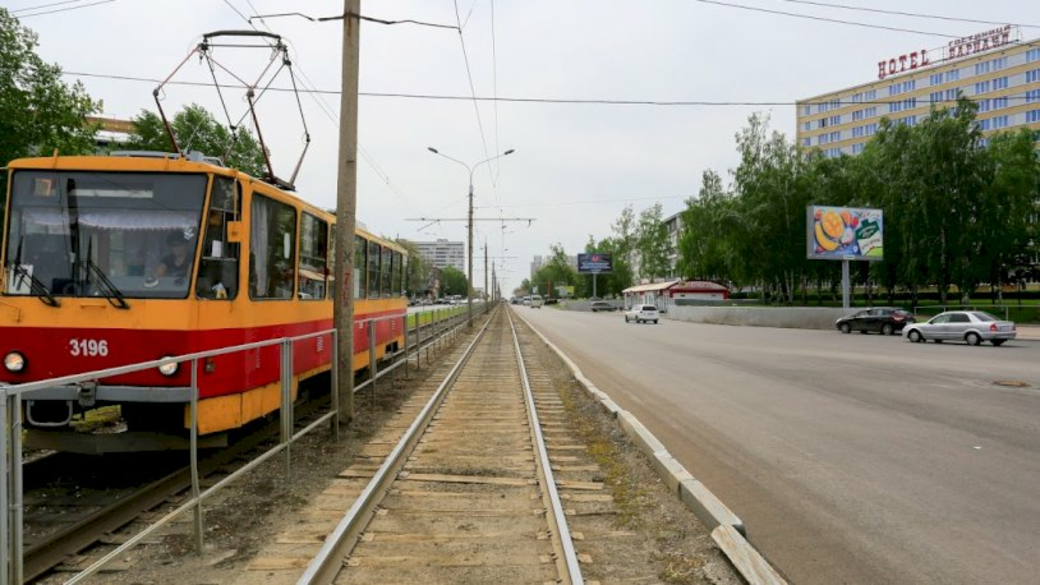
(845, 233)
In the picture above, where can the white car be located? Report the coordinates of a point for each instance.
(641, 313)
(537, 302)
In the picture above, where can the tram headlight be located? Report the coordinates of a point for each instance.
(14, 362)
(169, 368)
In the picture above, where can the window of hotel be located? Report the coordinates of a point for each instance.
(935, 97)
(822, 123)
(999, 103)
(984, 105)
(857, 115)
(1033, 76)
(909, 85)
(1032, 55)
(835, 120)
(806, 126)
(857, 132)
(1033, 95)
(806, 110)
(984, 124)
(909, 103)
(1000, 122)
(823, 139)
(909, 120)
(1000, 83)
(953, 75)
(821, 108)
(870, 95)
(894, 89)
(835, 136)
(999, 64)
(935, 79)
(983, 87)
(835, 104)
(858, 148)
(857, 98)
(870, 112)
(806, 141)
(981, 68)
(895, 107)
(983, 142)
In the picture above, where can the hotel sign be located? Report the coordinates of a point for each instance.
(956, 49)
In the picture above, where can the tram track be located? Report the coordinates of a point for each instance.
(70, 507)
(468, 492)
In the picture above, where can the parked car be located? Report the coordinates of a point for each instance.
(973, 327)
(884, 320)
(598, 306)
(641, 313)
(537, 302)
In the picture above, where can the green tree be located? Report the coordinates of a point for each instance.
(652, 244)
(38, 112)
(454, 282)
(419, 269)
(197, 130)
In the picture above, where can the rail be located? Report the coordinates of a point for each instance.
(448, 323)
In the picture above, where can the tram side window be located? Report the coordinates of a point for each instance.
(374, 253)
(398, 271)
(360, 267)
(314, 243)
(218, 271)
(386, 270)
(272, 242)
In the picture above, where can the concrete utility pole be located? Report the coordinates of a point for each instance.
(346, 212)
(487, 291)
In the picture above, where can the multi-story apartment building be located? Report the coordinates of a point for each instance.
(442, 253)
(673, 223)
(994, 69)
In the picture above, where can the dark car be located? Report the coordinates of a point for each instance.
(598, 306)
(884, 320)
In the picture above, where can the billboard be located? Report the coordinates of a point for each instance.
(845, 233)
(595, 263)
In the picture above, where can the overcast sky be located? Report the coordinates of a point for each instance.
(575, 166)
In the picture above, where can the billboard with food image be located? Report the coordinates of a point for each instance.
(845, 233)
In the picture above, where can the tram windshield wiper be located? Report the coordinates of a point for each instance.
(110, 291)
(36, 288)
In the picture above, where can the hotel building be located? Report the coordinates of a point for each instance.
(997, 71)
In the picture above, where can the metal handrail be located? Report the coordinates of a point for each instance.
(10, 437)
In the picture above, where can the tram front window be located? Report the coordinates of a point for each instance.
(100, 234)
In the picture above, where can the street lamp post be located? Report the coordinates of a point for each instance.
(471, 169)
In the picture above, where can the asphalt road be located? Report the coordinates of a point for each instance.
(850, 458)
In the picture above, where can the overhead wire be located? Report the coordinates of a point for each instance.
(533, 100)
(66, 9)
(910, 14)
(472, 88)
(42, 6)
(826, 19)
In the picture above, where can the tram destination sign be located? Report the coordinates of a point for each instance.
(595, 263)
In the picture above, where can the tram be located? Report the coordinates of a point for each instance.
(116, 260)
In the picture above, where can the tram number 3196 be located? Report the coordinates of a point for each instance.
(88, 347)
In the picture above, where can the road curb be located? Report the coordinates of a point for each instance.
(727, 529)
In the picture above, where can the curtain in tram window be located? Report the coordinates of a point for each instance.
(259, 238)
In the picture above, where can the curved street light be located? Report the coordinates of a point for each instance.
(469, 223)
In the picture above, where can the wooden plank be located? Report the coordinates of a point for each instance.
(473, 479)
(278, 563)
(748, 562)
(578, 485)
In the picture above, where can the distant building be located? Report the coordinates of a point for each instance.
(674, 225)
(442, 254)
(539, 261)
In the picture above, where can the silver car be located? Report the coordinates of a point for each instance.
(973, 327)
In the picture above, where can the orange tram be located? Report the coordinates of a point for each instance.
(116, 260)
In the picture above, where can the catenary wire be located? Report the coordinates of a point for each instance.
(472, 88)
(42, 6)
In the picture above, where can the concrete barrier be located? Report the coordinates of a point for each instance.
(745, 558)
(787, 317)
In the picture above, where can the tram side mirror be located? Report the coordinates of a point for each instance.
(235, 232)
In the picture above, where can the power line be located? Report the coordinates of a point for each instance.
(42, 6)
(472, 88)
(825, 19)
(66, 9)
(910, 14)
